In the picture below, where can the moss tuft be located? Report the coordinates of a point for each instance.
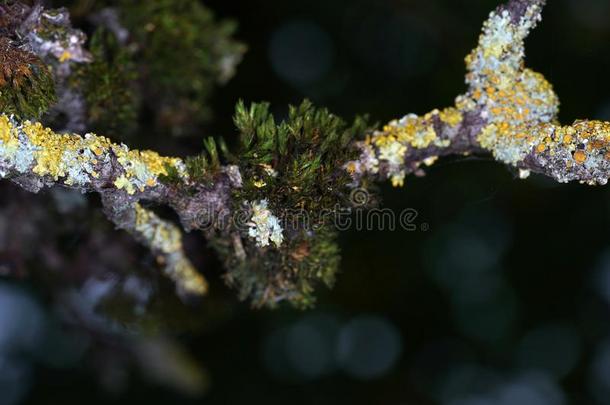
(107, 83)
(27, 89)
(184, 52)
(295, 167)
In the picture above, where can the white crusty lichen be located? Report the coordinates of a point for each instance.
(49, 34)
(29, 149)
(510, 97)
(507, 97)
(73, 160)
(388, 148)
(264, 227)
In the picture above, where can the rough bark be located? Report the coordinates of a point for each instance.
(508, 111)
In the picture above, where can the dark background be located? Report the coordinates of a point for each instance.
(502, 294)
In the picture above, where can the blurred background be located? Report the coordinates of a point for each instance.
(501, 295)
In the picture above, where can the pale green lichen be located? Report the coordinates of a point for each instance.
(31, 149)
(264, 227)
(581, 147)
(72, 159)
(507, 97)
(510, 96)
(165, 238)
(391, 145)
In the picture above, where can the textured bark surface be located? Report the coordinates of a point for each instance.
(508, 111)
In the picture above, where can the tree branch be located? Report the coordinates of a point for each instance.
(507, 110)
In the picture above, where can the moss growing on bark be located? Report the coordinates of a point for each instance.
(108, 86)
(184, 52)
(26, 85)
(293, 186)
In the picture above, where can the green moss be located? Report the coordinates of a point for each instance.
(197, 166)
(297, 166)
(212, 150)
(201, 168)
(108, 85)
(269, 277)
(172, 177)
(27, 89)
(184, 52)
(306, 153)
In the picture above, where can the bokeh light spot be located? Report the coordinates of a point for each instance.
(301, 52)
(368, 347)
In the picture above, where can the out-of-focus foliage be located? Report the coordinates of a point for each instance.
(101, 67)
(26, 85)
(183, 53)
(155, 65)
(108, 83)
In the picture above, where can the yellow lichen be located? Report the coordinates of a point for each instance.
(50, 148)
(123, 183)
(167, 239)
(508, 97)
(351, 167)
(415, 132)
(65, 56)
(189, 279)
(580, 156)
(451, 116)
(29, 147)
(73, 157)
(398, 180)
(511, 109)
(157, 164)
(5, 129)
